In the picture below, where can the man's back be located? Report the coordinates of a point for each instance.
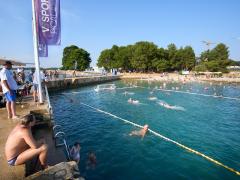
(21, 146)
(15, 143)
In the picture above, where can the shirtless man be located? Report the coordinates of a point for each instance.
(21, 146)
(141, 132)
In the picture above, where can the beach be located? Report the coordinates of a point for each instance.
(232, 77)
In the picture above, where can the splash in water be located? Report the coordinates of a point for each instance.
(168, 106)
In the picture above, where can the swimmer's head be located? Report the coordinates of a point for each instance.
(145, 127)
(76, 144)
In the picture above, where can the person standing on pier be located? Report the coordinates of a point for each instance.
(9, 86)
(36, 84)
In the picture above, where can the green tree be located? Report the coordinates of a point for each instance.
(205, 56)
(220, 53)
(172, 53)
(105, 59)
(200, 67)
(143, 55)
(217, 59)
(73, 54)
(124, 57)
(185, 58)
(161, 63)
(115, 61)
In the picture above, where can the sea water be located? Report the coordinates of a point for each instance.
(208, 124)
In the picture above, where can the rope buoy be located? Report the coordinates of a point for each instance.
(169, 140)
(199, 94)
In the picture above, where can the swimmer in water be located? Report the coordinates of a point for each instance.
(130, 100)
(152, 98)
(171, 107)
(75, 152)
(141, 132)
(165, 105)
(92, 160)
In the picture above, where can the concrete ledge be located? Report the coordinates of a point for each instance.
(78, 82)
(13, 172)
(63, 170)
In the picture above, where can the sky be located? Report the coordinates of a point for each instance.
(95, 25)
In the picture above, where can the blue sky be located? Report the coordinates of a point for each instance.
(96, 25)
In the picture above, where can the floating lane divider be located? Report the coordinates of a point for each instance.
(168, 139)
(199, 94)
(129, 87)
(184, 92)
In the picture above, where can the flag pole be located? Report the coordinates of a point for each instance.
(36, 57)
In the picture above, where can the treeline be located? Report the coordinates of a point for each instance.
(148, 57)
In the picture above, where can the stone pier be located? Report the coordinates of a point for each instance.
(67, 83)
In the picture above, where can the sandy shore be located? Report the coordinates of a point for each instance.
(232, 77)
(226, 78)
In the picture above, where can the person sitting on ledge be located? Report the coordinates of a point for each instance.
(21, 146)
(141, 132)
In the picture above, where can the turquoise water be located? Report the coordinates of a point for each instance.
(207, 124)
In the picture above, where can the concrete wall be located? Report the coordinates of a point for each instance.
(78, 82)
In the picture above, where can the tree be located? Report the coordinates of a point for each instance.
(143, 55)
(220, 52)
(124, 57)
(172, 52)
(105, 59)
(188, 59)
(161, 63)
(73, 54)
(205, 55)
(217, 59)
